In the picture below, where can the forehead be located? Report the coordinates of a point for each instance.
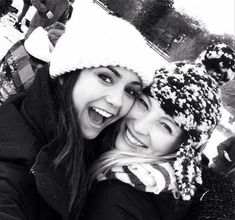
(155, 106)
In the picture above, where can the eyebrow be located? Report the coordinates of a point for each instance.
(166, 116)
(120, 76)
(169, 119)
(114, 71)
(135, 83)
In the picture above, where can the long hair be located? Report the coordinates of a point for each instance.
(70, 142)
(116, 157)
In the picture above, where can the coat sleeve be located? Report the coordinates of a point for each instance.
(39, 6)
(15, 191)
(65, 16)
(116, 200)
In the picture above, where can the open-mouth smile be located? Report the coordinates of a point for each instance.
(99, 116)
(132, 139)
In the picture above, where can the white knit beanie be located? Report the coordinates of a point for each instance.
(95, 38)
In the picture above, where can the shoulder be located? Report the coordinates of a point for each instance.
(115, 190)
(112, 199)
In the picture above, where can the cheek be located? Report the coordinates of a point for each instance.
(79, 102)
(163, 144)
(127, 107)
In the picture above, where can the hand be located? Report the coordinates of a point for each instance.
(49, 15)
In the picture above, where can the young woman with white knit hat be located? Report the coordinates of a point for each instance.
(154, 168)
(96, 71)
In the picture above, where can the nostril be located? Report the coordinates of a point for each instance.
(114, 101)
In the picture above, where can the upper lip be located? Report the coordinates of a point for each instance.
(138, 142)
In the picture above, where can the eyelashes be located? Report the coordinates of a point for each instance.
(105, 78)
(143, 103)
(132, 91)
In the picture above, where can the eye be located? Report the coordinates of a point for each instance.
(105, 78)
(167, 127)
(143, 103)
(132, 92)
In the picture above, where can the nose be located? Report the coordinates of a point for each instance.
(141, 126)
(115, 98)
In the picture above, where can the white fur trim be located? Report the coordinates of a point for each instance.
(38, 44)
(94, 38)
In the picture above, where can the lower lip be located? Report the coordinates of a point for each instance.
(92, 122)
(103, 124)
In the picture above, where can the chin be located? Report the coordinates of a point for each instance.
(91, 135)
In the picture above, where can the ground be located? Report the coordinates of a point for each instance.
(9, 35)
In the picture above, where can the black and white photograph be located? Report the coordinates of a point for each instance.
(117, 110)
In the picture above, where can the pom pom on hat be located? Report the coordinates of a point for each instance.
(219, 61)
(94, 38)
(191, 97)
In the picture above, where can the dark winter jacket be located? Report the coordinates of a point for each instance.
(112, 199)
(30, 187)
(115, 200)
(59, 8)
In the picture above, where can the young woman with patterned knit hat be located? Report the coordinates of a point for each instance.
(154, 170)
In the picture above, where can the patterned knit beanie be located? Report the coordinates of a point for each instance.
(95, 38)
(219, 59)
(191, 96)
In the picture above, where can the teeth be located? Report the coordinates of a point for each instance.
(227, 156)
(102, 112)
(133, 140)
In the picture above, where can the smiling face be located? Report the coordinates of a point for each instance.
(148, 129)
(103, 95)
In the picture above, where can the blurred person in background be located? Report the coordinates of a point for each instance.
(48, 12)
(25, 8)
(224, 162)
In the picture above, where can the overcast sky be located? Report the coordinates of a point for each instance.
(218, 15)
